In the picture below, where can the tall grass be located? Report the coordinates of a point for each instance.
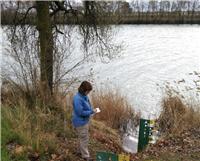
(177, 116)
(7, 135)
(40, 126)
(30, 125)
(116, 111)
(180, 111)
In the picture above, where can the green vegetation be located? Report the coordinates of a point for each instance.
(47, 133)
(8, 136)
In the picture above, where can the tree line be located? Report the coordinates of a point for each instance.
(122, 12)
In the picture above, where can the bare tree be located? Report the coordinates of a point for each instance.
(153, 6)
(195, 7)
(34, 40)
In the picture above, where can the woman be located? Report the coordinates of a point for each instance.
(82, 110)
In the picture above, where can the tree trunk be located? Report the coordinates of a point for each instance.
(46, 46)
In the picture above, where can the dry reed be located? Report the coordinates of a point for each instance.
(177, 116)
(115, 108)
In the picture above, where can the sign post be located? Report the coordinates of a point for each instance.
(105, 156)
(144, 132)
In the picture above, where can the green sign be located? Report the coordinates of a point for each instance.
(144, 132)
(105, 156)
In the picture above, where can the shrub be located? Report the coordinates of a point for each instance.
(116, 111)
(176, 116)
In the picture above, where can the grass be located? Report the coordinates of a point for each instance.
(52, 138)
(8, 136)
(49, 132)
(31, 130)
(44, 133)
(177, 116)
(116, 111)
(179, 124)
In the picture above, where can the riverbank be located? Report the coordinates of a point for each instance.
(47, 135)
(183, 147)
(179, 124)
(62, 147)
(175, 17)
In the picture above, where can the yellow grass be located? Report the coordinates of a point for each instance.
(115, 108)
(176, 116)
(30, 126)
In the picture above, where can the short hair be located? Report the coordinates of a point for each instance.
(85, 86)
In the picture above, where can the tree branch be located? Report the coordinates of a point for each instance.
(25, 15)
(69, 70)
(60, 32)
(61, 7)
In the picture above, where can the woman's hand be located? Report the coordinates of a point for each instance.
(97, 110)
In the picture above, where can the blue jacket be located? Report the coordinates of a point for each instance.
(81, 110)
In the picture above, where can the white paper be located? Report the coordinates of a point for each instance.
(98, 110)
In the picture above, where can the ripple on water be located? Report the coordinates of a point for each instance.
(154, 55)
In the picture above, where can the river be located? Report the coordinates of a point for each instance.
(152, 56)
(155, 55)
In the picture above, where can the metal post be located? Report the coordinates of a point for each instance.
(144, 131)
